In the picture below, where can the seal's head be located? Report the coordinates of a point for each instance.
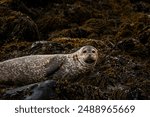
(88, 55)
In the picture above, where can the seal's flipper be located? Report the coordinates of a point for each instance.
(53, 67)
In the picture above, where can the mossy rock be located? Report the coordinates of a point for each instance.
(16, 26)
(14, 49)
(78, 13)
(49, 23)
(97, 26)
(78, 32)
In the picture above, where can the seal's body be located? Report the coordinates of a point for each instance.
(35, 68)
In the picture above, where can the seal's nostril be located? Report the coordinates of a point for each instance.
(90, 55)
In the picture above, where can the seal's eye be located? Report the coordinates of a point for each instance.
(93, 51)
(84, 51)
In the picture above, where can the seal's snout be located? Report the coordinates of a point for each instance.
(90, 59)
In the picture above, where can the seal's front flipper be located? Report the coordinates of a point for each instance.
(53, 66)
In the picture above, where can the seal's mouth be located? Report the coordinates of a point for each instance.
(90, 61)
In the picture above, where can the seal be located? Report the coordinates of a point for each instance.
(35, 68)
(44, 91)
(38, 91)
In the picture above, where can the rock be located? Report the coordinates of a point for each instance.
(16, 26)
(126, 44)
